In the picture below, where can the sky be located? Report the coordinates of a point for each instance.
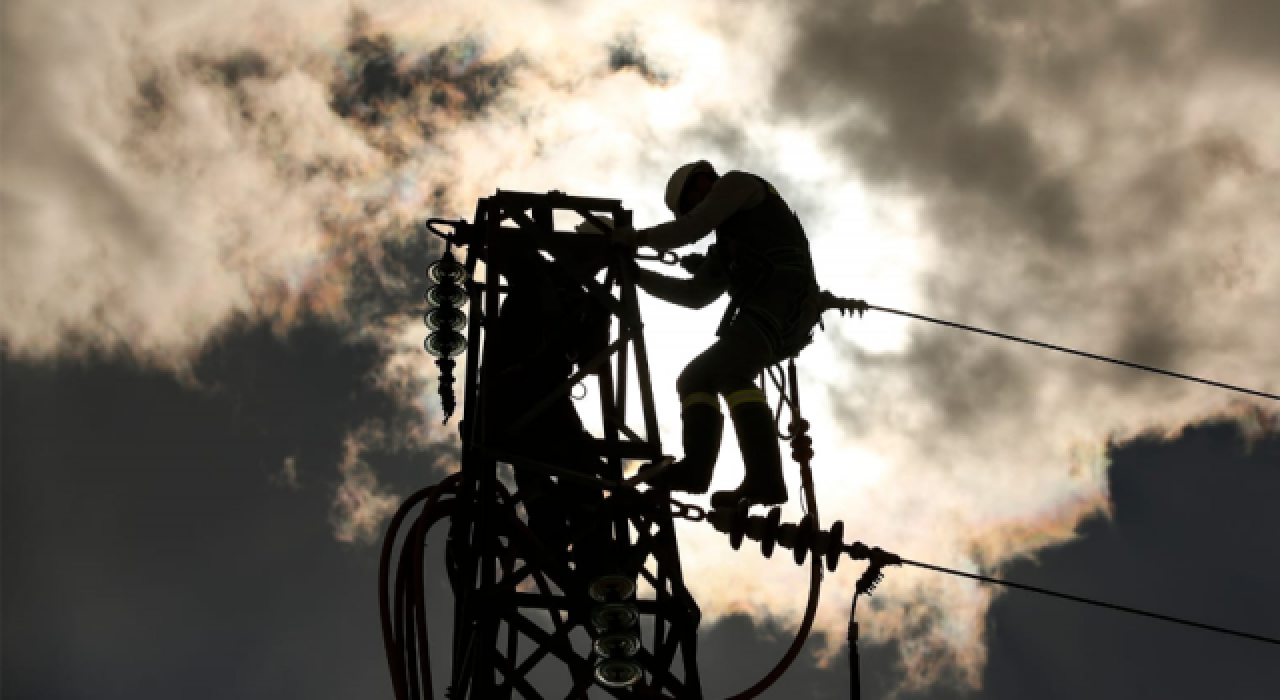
(214, 392)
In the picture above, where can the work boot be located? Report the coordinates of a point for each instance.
(703, 428)
(761, 457)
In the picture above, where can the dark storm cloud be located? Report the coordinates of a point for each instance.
(145, 544)
(388, 282)
(1064, 174)
(1245, 29)
(152, 548)
(1191, 537)
(919, 76)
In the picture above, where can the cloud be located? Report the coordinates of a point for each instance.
(1097, 183)
(1096, 176)
(362, 505)
(1168, 513)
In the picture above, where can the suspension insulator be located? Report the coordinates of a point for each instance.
(446, 294)
(800, 538)
(619, 638)
(446, 269)
(617, 645)
(614, 617)
(612, 588)
(445, 343)
(445, 318)
(618, 673)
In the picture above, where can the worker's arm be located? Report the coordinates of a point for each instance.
(732, 192)
(706, 285)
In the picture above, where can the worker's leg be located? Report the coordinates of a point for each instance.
(762, 483)
(729, 367)
(703, 427)
(753, 422)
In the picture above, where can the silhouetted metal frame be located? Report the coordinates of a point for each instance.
(495, 550)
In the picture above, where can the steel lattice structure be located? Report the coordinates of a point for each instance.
(522, 579)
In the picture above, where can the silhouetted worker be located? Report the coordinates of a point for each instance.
(761, 258)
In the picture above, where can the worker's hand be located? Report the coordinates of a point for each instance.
(826, 301)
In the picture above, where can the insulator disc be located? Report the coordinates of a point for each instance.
(737, 527)
(447, 268)
(618, 673)
(446, 294)
(614, 616)
(617, 645)
(445, 317)
(445, 343)
(804, 539)
(610, 588)
(835, 545)
(770, 535)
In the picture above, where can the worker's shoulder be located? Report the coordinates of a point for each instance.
(744, 180)
(748, 182)
(741, 176)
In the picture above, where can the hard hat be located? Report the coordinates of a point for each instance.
(681, 177)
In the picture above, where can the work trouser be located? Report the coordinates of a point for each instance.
(761, 329)
(754, 339)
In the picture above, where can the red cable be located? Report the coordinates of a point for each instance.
(799, 428)
(390, 641)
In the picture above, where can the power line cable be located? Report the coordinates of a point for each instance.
(1089, 601)
(1081, 353)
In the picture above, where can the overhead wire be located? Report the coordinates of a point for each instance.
(1081, 353)
(1103, 358)
(1098, 603)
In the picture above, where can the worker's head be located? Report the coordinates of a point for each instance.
(689, 185)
